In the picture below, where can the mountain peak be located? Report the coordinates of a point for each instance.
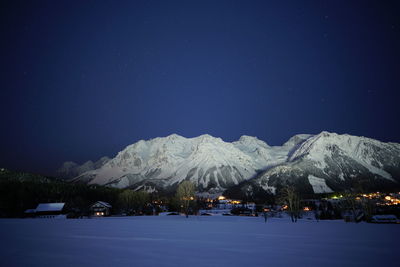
(327, 134)
(251, 142)
(174, 136)
(208, 138)
(215, 165)
(297, 139)
(248, 138)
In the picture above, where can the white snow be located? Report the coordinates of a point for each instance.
(319, 185)
(165, 161)
(105, 204)
(360, 149)
(171, 158)
(50, 207)
(196, 241)
(268, 188)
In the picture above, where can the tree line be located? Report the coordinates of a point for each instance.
(22, 191)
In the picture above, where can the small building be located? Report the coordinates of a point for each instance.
(49, 210)
(100, 209)
(225, 203)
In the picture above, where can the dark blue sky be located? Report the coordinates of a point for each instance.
(83, 79)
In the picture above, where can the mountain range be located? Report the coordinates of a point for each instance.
(321, 163)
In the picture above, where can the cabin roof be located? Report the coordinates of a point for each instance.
(105, 204)
(50, 207)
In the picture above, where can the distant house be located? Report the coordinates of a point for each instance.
(49, 210)
(100, 209)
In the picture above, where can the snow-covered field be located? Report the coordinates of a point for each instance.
(197, 241)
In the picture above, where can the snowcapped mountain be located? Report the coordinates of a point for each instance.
(330, 162)
(162, 163)
(317, 163)
(209, 162)
(70, 169)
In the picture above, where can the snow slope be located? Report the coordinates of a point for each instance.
(212, 164)
(330, 162)
(197, 241)
(215, 165)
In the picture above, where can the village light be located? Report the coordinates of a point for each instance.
(388, 198)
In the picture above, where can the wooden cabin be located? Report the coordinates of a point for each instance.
(49, 210)
(100, 209)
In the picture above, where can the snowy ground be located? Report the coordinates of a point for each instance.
(197, 241)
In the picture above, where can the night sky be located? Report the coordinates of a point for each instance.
(84, 79)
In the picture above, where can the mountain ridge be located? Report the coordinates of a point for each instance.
(326, 161)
